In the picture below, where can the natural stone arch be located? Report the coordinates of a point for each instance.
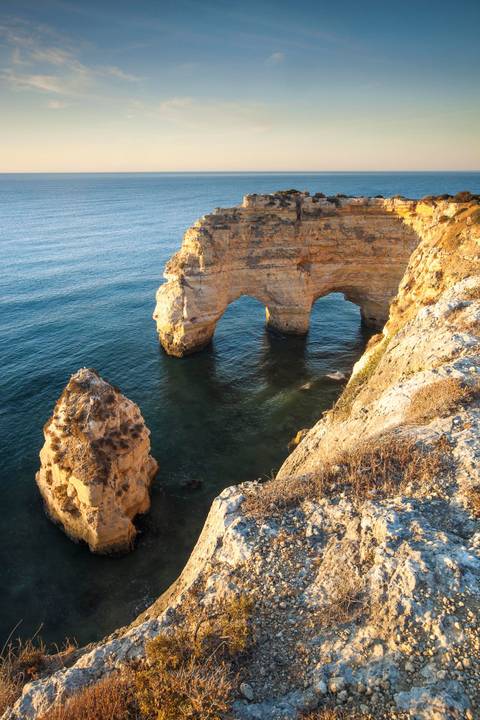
(286, 250)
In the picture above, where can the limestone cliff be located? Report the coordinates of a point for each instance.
(287, 250)
(362, 557)
(96, 469)
(390, 367)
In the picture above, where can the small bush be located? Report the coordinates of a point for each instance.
(20, 662)
(440, 399)
(191, 673)
(335, 200)
(473, 499)
(112, 698)
(463, 197)
(364, 472)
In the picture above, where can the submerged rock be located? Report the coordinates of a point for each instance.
(336, 375)
(96, 469)
(297, 439)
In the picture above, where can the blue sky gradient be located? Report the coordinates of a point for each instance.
(216, 85)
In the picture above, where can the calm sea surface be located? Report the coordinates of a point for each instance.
(81, 257)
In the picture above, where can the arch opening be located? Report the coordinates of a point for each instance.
(373, 311)
(242, 321)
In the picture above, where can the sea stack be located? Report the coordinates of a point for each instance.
(96, 468)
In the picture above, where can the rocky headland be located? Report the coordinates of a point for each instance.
(287, 250)
(96, 468)
(360, 561)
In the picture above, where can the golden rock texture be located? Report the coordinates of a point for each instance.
(429, 333)
(96, 469)
(287, 250)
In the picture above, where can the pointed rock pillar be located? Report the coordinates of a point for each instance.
(96, 468)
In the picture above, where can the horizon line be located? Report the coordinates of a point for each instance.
(233, 172)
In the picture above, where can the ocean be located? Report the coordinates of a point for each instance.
(81, 258)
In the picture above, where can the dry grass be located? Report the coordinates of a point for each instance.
(473, 499)
(112, 698)
(346, 600)
(472, 293)
(22, 661)
(439, 399)
(188, 692)
(389, 467)
(191, 673)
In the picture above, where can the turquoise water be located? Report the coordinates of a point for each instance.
(82, 256)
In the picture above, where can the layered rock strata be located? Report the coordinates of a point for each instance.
(362, 558)
(287, 250)
(96, 469)
(448, 254)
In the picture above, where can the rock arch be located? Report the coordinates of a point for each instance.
(287, 250)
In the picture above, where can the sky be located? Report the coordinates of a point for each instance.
(218, 85)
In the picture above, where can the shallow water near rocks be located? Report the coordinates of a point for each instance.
(82, 256)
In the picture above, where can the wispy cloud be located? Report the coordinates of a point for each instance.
(53, 67)
(203, 115)
(116, 72)
(174, 104)
(46, 83)
(275, 58)
(56, 104)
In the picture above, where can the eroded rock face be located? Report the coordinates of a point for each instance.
(287, 250)
(96, 469)
(431, 332)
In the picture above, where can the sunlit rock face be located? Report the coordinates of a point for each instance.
(96, 469)
(431, 336)
(286, 250)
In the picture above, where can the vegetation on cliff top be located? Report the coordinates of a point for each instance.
(190, 672)
(393, 465)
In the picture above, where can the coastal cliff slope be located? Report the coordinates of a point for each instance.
(361, 559)
(96, 469)
(401, 357)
